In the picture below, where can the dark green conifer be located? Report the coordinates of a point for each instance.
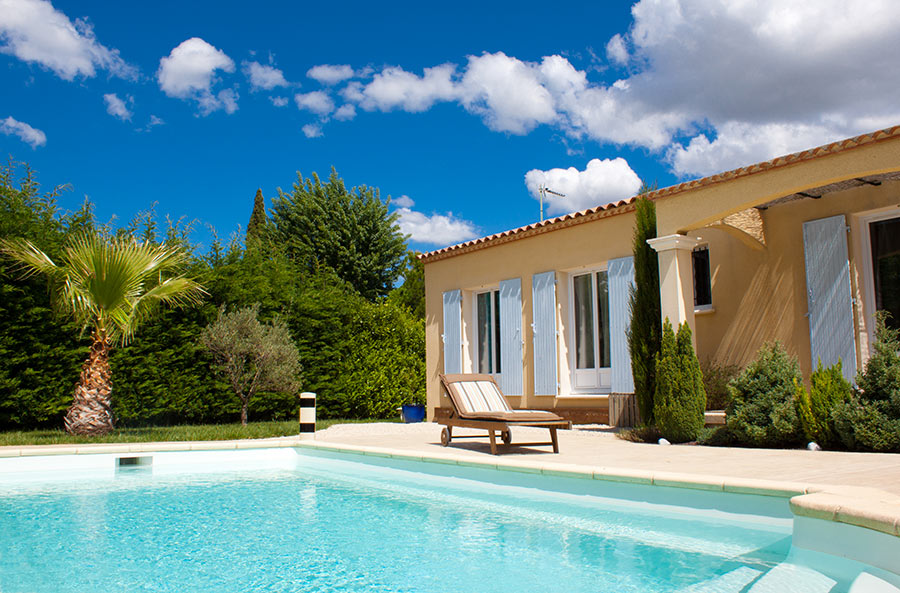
(258, 219)
(644, 330)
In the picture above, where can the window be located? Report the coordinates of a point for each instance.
(885, 239)
(590, 330)
(487, 325)
(702, 287)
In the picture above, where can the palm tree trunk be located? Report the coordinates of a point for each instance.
(91, 412)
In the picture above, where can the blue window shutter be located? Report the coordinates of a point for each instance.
(829, 297)
(621, 281)
(452, 337)
(543, 302)
(511, 336)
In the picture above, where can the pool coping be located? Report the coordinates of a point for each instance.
(865, 507)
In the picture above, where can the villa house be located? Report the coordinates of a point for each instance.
(802, 249)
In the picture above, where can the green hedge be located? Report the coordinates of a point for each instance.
(363, 358)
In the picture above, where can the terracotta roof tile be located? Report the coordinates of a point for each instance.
(613, 208)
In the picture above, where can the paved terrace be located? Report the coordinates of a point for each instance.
(598, 446)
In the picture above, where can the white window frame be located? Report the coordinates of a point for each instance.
(597, 380)
(494, 291)
(864, 243)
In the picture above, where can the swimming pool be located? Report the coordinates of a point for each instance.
(293, 520)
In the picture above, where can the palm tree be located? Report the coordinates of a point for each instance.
(110, 286)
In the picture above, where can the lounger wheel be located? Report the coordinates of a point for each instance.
(506, 435)
(445, 437)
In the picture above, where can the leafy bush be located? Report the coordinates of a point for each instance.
(680, 399)
(386, 366)
(828, 389)
(862, 426)
(362, 359)
(716, 378)
(717, 436)
(870, 421)
(762, 411)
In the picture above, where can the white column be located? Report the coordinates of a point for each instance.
(676, 278)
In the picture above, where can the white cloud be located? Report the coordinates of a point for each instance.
(34, 31)
(345, 112)
(263, 76)
(616, 50)
(738, 144)
(394, 88)
(312, 131)
(768, 77)
(330, 74)
(279, 101)
(437, 229)
(27, 134)
(117, 107)
(317, 101)
(151, 123)
(602, 182)
(507, 93)
(762, 78)
(353, 92)
(189, 72)
(403, 201)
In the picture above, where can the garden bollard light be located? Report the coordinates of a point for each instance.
(307, 415)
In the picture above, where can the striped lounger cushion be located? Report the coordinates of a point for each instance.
(478, 397)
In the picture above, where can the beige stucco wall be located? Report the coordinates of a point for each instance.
(583, 245)
(760, 295)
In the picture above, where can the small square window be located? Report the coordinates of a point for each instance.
(702, 287)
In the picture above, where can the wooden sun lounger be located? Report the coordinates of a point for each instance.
(478, 403)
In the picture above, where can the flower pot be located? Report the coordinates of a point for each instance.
(412, 413)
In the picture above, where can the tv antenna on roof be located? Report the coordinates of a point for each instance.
(543, 190)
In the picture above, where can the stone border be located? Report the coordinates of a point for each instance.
(94, 449)
(868, 508)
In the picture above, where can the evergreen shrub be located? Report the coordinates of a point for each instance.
(870, 420)
(828, 389)
(680, 397)
(762, 411)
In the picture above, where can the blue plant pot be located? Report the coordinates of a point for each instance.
(413, 413)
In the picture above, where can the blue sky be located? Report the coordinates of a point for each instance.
(457, 110)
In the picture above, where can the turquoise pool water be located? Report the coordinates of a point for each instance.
(336, 526)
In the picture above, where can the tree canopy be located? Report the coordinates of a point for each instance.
(325, 225)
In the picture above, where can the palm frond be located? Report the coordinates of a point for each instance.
(113, 284)
(31, 260)
(176, 292)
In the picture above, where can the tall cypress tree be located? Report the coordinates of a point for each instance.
(258, 219)
(644, 333)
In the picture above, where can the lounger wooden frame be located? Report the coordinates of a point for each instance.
(493, 425)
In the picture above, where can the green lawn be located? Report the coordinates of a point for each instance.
(202, 432)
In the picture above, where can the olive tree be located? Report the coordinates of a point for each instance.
(253, 356)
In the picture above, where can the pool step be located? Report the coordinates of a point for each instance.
(735, 581)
